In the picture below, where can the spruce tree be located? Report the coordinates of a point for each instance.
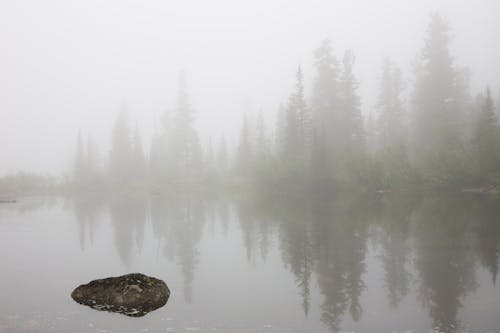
(279, 131)
(244, 157)
(297, 130)
(391, 140)
(487, 138)
(351, 131)
(390, 112)
(261, 139)
(326, 111)
(79, 163)
(138, 158)
(304, 119)
(121, 150)
(221, 156)
(291, 142)
(184, 156)
(437, 109)
(92, 161)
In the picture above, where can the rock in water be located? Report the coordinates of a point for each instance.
(133, 294)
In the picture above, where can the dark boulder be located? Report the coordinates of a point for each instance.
(133, 294)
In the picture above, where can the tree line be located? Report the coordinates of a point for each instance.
(434, 134)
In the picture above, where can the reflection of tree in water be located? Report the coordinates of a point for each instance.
(394, 261)
(256, 225)
(27, 204)
(223, 214)
(486, 224)
(315, 236)
(394, 240)
(179, 220)
(340, 239)
(444, 260)
(128, 217)
(297, 246)
(87, 210)
(328, 239)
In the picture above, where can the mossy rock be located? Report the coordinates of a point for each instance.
(133, 295)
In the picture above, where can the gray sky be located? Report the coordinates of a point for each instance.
(66, 64)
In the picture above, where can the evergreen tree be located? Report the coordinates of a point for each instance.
(121, 149)
(351, 132)
(487, 138)
(221, 156)
(279, 131)
(498, 103)
(372, 132)
(291, 135)
(391, 140)
(297, 130)
(86, 166)
(350, 106)
(159, 153)
(209, 155)
(184, 150)
(92, 161)
(326, 113)
(138, 158)
(79, 164)
(156, 159)
(244, 156)
(303, 117)
(210, 162)
(390, 120)
(261, 139)
(437, 110)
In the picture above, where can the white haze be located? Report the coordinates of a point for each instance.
(69, 65)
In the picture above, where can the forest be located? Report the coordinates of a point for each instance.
(425, 134)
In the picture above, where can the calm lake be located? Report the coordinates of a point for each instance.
(256, 264)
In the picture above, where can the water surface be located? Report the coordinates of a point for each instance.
(256, 263)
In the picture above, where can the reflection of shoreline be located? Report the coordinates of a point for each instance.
(441, 240)
(24, 204)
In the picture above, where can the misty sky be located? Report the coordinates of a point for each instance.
(66, 65)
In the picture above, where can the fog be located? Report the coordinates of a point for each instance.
(277, 166)
(67, 66)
